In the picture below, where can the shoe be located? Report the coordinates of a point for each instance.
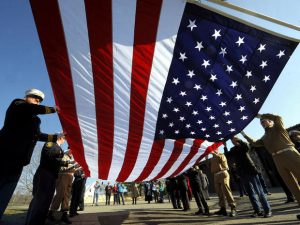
(50, 216)
(288, 200)
(268, 214)
(65, 218)
(221, 212)
(298, 216)
(233, 212)
(269, 193)
(199, 212)
(206, 213)
(257, 214)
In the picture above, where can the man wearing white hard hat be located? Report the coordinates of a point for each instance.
(18, 137)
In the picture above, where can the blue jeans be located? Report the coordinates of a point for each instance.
(95, 199)
(121, 196)
(263, 183)
(256, 193)
(8, 181)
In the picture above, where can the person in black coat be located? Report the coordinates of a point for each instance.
(183, 189)
(195, 182)
(77, 187)
(172, 189)
(44, 182)
(249, 177)
(18, 138)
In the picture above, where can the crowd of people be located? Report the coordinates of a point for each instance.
(59, 181)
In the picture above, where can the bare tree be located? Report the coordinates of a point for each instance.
(25, 184)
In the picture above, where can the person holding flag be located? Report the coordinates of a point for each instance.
(278, 143)
(18, 137)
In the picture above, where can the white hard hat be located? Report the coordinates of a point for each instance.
(35, 93)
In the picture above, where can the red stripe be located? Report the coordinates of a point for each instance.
(209, 149)
(146, 23)
(49, 25)
(194, 150)
(99, 21)
(178, 146)
(154, 157)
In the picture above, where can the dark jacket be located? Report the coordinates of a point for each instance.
(21, 131)
(51, 158)
(171, 184)
(182, 182)
(244, 163)
(195, 180)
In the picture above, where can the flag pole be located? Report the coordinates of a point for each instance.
(249, 12)
(252, 13)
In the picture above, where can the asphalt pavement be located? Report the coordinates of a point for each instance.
(164, 214)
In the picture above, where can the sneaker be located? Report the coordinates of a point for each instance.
(257, 214)
(268, 214)
(269, 193)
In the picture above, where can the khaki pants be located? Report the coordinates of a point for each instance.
(288, 165)
(221, 182)
(63, 192)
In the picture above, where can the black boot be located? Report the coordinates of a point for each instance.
(50, 216)
(221, 212)
(65, 218)
(206, 213)
(199, 212)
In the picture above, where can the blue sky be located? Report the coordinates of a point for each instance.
(22, 64)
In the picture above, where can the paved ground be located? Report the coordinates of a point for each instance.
(162, 213)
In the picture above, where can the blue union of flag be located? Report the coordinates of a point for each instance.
(221, 73)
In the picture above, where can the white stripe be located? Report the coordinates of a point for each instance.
(166, 154)
(123, 15)
(201, 150)
(169, 21)
(186, 148)
(76, 35)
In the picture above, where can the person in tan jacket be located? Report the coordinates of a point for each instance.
(219, 169)
(63, 189)
(278, 143)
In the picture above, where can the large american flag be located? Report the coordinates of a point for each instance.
(145, 87)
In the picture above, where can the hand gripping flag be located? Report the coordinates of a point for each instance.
(146, 87)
